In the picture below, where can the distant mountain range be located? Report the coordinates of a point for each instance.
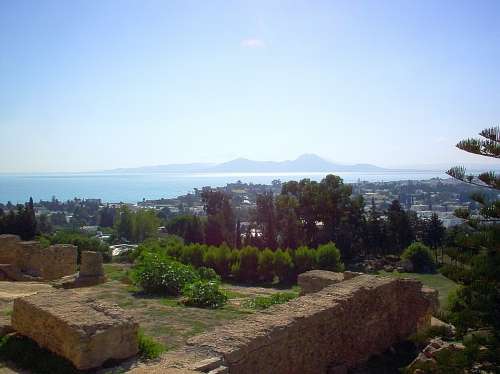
(305, 163)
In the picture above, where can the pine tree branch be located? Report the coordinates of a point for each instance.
(493, 134)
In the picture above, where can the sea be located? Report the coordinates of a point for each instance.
(134, 187)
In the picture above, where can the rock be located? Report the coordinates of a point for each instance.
(426, 360)
(315, 280)
(27, 260)
(84, 331)
(345, 322)
(5, 326)
(406, 265)
(450, 329)
(91, 272)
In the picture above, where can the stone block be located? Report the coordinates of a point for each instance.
(91, 264)
(82, 330)
(315, 280)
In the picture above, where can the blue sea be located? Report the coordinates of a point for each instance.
(133, 187)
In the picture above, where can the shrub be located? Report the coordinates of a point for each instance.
(266, 265)
(208, 274)
(192, 254)
(204, 294)
(283, 265)
(420, 256)
(456, 273)
(248, 264)
(305, 259)
(148, 347)
(328, 257)
(264, 302)
(219, 259)
(158, 274)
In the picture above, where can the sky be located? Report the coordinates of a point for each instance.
(99, 84)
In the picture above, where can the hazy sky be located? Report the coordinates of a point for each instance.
(88, 85)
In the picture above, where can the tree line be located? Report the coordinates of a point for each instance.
(309, 213)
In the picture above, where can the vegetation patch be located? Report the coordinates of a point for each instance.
(149, 348)
(264, 302)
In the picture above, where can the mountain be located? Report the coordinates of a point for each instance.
(305, 163)
(170, 168)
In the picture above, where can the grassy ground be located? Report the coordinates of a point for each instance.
(165, 318)
(437, 281)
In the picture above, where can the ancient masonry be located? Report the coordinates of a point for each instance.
(27, 260)
(83, 330)
(327, 331)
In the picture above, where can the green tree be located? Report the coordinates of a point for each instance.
(477, 303)
(221, 223)
(266, 219)
(399, 232)
(188, 227)
(124, 224)
(434, 232)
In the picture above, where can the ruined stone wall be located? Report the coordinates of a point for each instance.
(8, 248)
(343, 324)
(29, 258)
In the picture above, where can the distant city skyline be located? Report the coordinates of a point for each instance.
(96, 85)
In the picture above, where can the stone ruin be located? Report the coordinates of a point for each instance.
(28, 261)
(91, 272)
(83, 330)
(328, 331)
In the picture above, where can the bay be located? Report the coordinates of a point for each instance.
(133, 187)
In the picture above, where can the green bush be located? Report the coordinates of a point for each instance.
(328, 257)
(26, 354)
(304, 259)
(266, 265)
(421, 258)
(208, 274)
(192, 255)
(158, 274)
(83, 242)
(264, 302)
(219, 259)
(148, 347)
(283, 265)
(456, 273)
(248, 264)
(204, 294)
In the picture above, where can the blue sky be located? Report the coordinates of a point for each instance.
(87, 85)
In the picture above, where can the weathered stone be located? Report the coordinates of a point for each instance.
(426, 360)
(5, 325)
(343, 324)
(315, 280)
(29, 261)
(84, 331)
(91, 264)
(207, 364)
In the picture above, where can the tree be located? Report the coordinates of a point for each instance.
(266, 219)
(374, 231)
(433, 234)
(221, 223)
(124, 224)
(399, 233)
(477, 303)
(188, 227)
(288, 225)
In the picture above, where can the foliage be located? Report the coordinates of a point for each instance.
(456, 273)
(220, 259)
(148, 347)
(189, 227)
(264, 302)
(204, 294)
(158, 274)
(283, 265)
(192, 254)
(27, 354)
(20, 222)
(266, 265)
(304, 259)
(136, 226)
(421, 258)
(220, 226)
(328, 257)
(83, 242)
(208, 274)
(248, 264)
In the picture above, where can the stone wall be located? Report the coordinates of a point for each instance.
(339, 326)
(28, 258)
